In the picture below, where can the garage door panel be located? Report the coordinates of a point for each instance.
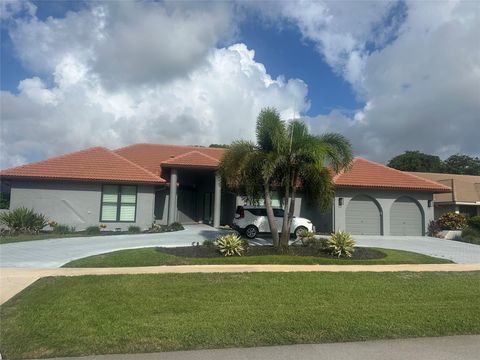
(363, 216)
(406, 218)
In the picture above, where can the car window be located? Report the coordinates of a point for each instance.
(258, 212)
(278, 212)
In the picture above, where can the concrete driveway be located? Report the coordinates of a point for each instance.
(56, 252)
(459, 252)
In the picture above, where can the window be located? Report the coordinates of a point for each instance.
(258, 211)
(119, 203)
(278, 213)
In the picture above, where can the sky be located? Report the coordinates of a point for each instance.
(389, 75)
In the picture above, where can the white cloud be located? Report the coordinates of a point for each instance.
(415, 64)
(217, 103)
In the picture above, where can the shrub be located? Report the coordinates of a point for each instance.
(306, 237)
(471, 235)
(91, 230)
(452, 221)
(208, 243)
(157, 228)
(134, 229)
(176, 226)
(62, 229)
(23, 220)
(341, 244)
(433, 228)
(230, 245)
(245, 245)
(474, 222)
(4, 201)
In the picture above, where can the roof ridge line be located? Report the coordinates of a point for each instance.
(404, 172)
(181, 156)
(135, 164)
(54, 158)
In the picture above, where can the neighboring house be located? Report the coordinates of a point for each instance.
(132, 186)
(464, 197)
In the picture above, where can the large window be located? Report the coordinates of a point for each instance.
(119, 203)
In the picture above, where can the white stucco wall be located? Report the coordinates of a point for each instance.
(385, 200)
(77, 204)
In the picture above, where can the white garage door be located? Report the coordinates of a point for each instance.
(363, 216)
(406, 218)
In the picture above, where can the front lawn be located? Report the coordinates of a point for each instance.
(256, 255)
(73, 316)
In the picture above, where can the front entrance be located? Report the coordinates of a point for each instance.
(187, 206)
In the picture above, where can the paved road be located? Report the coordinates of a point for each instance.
(441, 348)
(56, 252)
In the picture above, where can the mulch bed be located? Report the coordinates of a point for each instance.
(295, 250)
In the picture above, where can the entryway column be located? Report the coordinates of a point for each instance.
(217, 201)
(172, 203)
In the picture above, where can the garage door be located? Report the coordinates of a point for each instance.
(363, 216)
(406, 218)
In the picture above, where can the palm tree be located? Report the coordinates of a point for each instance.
(250, 168)
(287, 158)
(304, 164)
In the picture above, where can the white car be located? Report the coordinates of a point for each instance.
(252, 220)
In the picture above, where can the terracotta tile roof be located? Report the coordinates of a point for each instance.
(151, 156)
(192, 159)
(369, 174)
(465, 188)
(93, 164)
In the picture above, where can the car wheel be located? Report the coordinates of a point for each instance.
(251, 232)
(299, 230)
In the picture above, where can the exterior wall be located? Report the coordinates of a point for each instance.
(439, 209)
(385, 200)
(78, 204)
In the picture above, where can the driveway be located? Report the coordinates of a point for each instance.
(56, 252)
(459, 252)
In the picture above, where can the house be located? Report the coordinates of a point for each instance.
(464, 197)
(133, 186)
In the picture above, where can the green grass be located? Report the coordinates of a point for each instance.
(73, 316)
(154, 257)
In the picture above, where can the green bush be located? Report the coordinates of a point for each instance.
(208, 243)
(306, 237)
(23, 220)
(452, 221)
(341, 244)
(176, 226)
(230, 245)
(471, 235)
(134, 229)
(474, 222)
(63, 229)
(92, 230)
(4, 201)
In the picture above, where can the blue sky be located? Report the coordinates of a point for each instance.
(391, 76)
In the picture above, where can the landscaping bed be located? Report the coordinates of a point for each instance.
(201, 255)
(75, 316)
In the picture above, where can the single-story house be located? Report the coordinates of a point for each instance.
(464, 197)
(145, 183)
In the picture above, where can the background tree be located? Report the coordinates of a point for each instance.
(416, 161)
(462, 164)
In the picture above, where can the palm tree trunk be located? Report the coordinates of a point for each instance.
(285, 235)
(270, 215)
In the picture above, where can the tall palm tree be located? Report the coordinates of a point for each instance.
(287, 158)
(251, 168)
(304, 164)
